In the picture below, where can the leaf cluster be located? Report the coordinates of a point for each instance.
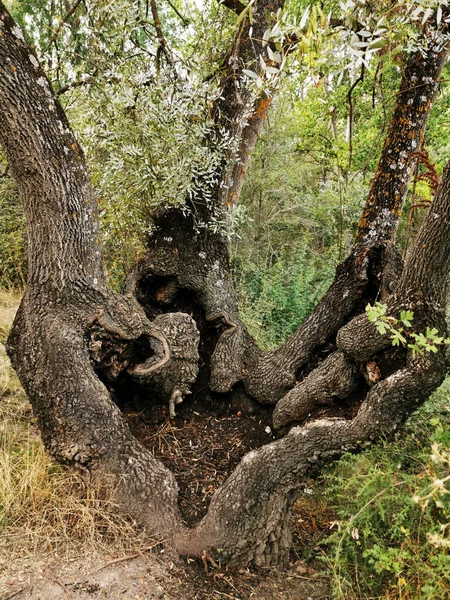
(392, 507)
(398, 330)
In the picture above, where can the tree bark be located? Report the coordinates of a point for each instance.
(67, 294)
(198, 261)
(265, 480)
(68, 320)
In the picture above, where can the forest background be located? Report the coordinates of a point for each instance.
(138, 104)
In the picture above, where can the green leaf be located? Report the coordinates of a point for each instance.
(241, 17)
(397, 338)
(304, 17)
(415, 349)
(406, 316)
(382, 327)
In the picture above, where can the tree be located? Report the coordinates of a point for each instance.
(72, 331)
(267, 376)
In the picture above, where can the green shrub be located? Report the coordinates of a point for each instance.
(276, 300)
(393, 508)
(12, 237)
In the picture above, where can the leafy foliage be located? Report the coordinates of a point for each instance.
(12, 243)
(392, 509)
(146, 148)
(398, 330)
(274, 301)
(143, 119)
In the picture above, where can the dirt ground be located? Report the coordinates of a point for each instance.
(201, 446)
(155, 576)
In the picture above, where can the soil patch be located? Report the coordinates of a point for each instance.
(202, 445)
(156, 576)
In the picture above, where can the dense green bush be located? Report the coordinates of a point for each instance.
(392, 506)
(275, 300)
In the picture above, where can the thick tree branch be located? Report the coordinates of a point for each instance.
(263, 481)
(202, 263)
(67, 292)
(418, 90)
(75, 84)
(376, 231)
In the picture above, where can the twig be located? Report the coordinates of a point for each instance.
(64, 20)
(60, 584)
(70, 86)
(207, 558)
(225, 595)
(317, 578)
(15, 594)
(139, 45)
(163, 47)
(124, 558)
(350, 116)
(176, 11)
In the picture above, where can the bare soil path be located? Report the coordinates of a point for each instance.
(158, 577)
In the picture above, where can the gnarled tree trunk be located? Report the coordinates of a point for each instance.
(188, 261)
(71, 327)
(186, 265)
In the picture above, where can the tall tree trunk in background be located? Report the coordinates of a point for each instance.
(69, 319)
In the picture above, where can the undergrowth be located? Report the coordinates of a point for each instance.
(388, 509)
(46, 509)
(274, 301)
(392, 507)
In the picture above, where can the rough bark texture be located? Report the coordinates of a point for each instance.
(418, 90)
(71, 330)
(236, 112)
(67, 293)
(422, 288)
(332, 380)
(277, 468)
(199, 262)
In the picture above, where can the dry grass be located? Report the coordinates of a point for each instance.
(45, 508)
